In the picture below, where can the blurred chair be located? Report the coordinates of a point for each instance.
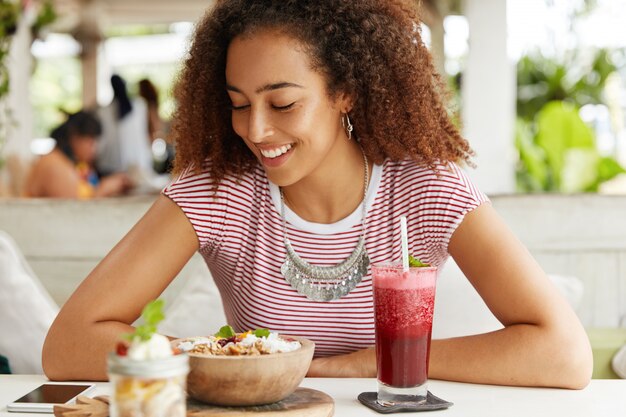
(609, 352)
(26, 310)
(460, 311)
(618, 362)
(197, 310)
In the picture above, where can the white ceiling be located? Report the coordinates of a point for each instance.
(119, 12)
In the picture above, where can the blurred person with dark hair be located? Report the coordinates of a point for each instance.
(162, 148)
(68, 170)
(149, 93)
(125, 143)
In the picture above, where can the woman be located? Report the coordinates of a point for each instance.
(125, 144)
(68, 170)
(156, 127)
(302, 129)
(149, 93)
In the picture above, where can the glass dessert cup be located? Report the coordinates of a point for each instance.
(150, 388)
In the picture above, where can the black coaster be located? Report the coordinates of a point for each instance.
(432, 403)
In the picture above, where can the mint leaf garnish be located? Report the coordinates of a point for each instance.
(416, 263)
(225, 332)
(153, 312)
(152, 315)
(262, 333)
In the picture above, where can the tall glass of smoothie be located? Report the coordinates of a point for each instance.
(403, 305)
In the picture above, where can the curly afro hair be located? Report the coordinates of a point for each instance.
(371, 49)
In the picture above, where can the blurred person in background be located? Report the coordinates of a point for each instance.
(149, 93)
(68, 171)
(125, 139)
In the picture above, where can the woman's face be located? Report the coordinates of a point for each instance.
(281, 108)
(84, 148)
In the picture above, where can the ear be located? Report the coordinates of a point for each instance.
(345, 102)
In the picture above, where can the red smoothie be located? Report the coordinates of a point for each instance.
(404, 304)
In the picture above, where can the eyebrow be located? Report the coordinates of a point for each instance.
(267, 87)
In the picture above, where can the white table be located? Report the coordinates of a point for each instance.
(602, 398)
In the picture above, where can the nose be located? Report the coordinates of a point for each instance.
(259, 126)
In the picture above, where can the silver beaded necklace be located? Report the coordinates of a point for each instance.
(326, 283)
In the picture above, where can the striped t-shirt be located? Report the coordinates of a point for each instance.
(241, 239)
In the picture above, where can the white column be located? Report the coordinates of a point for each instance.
(89, 34)
(89, 61)
(20, 65)
(17, 112)
(488, 93)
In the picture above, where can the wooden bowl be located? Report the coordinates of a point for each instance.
(248, 380)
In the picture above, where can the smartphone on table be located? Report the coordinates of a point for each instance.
(43, 398)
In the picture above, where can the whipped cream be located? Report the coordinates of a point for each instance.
(157, 347)
(272, 343)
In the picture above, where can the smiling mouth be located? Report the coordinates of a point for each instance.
(275, 153)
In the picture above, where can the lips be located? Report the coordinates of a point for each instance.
(276, 152)
(273, 158)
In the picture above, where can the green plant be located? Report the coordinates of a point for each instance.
(541, 80)
(45, 17)
(557, 150)
(9, 15)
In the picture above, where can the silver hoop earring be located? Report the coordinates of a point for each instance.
(345, 123)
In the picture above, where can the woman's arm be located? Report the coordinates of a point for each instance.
(111, 298)
(542, 343)
(55, 177)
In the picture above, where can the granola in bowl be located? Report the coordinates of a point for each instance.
(228, 343)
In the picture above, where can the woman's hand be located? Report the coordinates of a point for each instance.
(359, 364)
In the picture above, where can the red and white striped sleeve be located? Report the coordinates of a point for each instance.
(449, 197)
(204, 206)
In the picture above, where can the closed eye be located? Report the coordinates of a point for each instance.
(236, 108)
(283, 108)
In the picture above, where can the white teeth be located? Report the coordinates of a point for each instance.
(273, 153)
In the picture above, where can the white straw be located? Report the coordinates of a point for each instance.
(405, 243)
